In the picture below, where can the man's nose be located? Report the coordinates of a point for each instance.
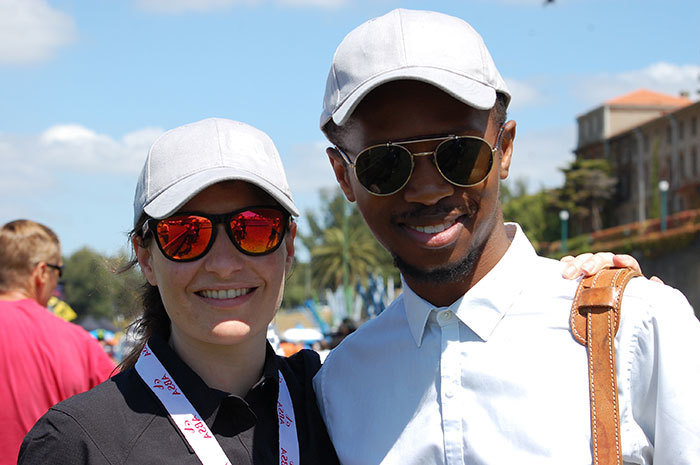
(426, 186)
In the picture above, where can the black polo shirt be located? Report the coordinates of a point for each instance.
(122, 422)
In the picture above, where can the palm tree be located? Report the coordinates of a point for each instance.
(343, 250)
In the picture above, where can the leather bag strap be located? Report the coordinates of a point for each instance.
(595, 318)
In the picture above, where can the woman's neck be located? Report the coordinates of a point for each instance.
(230, 368)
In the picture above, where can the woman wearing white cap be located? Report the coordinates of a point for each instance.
(214, 237)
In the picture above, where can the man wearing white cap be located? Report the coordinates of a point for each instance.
(475, 363)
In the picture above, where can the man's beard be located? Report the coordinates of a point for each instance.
(441, 275)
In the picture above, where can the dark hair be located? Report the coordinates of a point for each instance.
(153, 318)
(500, 109)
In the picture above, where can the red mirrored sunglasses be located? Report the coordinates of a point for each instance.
(188, 236)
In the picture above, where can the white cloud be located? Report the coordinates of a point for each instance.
(308, 169)
(68, 133)
(663, 77)
(524, 94)
(32, 31)
(538, 155)
(73, 178)
(71, 147)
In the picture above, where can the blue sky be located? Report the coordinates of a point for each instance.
(86, 86)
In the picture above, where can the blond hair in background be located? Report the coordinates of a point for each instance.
(23, 244)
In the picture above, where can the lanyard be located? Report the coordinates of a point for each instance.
(195, 430)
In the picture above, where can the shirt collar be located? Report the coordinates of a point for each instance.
(485, 304)
(204, 399)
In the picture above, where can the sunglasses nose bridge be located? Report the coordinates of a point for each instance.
(223, 257)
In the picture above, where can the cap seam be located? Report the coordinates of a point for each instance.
(482, 48)
(218, 142)
(403, 40)
(337, 85)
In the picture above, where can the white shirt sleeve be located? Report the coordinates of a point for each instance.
(662, 361)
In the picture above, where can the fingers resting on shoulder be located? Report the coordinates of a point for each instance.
(587, 264)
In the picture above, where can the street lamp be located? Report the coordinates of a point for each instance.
(564, 217)
(663, 188)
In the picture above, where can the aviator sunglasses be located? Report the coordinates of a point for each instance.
(385, 169)
(189, 236)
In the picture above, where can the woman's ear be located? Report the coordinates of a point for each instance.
(145, 259)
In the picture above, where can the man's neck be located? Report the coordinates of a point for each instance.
(14, 295)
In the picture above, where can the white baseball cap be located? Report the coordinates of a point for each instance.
(409, 44)
(186, 160)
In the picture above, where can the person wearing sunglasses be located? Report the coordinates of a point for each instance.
(43, 358)
(214, 236)
(474, 362)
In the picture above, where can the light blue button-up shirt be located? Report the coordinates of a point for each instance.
(497, 378)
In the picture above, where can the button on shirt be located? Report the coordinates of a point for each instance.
(497, 377)
(121, 421)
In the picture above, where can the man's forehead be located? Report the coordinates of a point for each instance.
(396, 108)
(409, 93)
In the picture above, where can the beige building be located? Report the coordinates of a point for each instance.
(648, 137)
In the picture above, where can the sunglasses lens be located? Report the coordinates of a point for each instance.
(258, 231)
(383, 169)
(184, 237)
(465, 160)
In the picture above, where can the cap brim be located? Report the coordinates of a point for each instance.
(174, 197)
(466, 90)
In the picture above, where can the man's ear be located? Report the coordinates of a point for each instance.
(340, 168)
(145, 259)
(289, 244)
(39, 277)
(506, 144)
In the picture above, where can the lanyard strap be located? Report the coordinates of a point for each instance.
(195, 430)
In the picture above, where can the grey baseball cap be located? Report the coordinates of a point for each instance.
(186, 160)
(427, 46)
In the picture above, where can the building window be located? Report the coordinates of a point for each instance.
(681, 166)
(668, 134)
(694, 126)
(645, 142)
(694, 161)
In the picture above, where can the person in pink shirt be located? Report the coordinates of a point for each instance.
(43, 359)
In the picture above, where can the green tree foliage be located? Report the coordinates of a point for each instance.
(92, 285)
(588, 186)
(297, 287)
(536, 213)
(339, 229)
